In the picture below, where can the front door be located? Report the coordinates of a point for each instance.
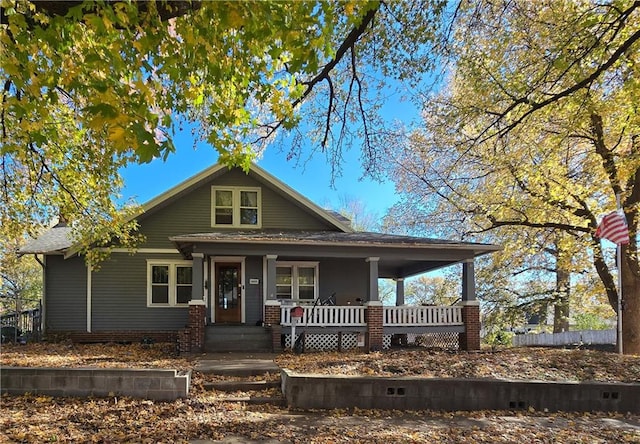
(228, 294)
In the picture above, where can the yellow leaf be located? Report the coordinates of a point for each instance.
(116, 133)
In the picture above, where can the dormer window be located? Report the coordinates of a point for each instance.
(236, 207)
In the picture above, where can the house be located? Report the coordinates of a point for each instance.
(226, 252)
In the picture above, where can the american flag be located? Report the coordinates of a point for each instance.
(614, 228)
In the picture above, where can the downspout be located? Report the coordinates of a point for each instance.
(88, 298)
(44, 292)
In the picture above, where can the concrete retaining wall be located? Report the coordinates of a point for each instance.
(415, 393)
(156, 384)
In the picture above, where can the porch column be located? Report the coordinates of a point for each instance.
(271, 276)
(373, 278)
(197, 277)
(272, 315)
(470, 339)
(468, 281)
(399, 292)
(375, 325)
(191, 339)
(399, 338)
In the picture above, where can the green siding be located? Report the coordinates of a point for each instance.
(191, 212)
(119, 297)
(65, 294)
(348, 278)
(253, 293)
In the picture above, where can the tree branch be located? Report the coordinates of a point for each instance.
(348, 43)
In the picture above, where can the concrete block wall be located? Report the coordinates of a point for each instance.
(414, 393)
(155, 384)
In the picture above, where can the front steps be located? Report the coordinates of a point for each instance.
(237, 338)
(250, 379)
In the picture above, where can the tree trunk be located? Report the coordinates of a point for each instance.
(631, 308)
(563, 285)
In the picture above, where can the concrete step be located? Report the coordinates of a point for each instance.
(255, 400)
(245, 386)
(237, 366)
(237, 338)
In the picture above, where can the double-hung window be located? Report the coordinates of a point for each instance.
(236, 207)
(297, 280)
(169, 283)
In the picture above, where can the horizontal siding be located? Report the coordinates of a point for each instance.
(65, 294)
(119, 297)
(253, 292)
(191, 212)
(348, 278)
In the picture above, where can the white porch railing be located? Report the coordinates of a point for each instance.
(353, 316)
(422, 316)
(326, 316)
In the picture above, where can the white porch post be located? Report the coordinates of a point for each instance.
(197, 277)
(468, 281)
(399, 292)
(271, 276)
(373, 278)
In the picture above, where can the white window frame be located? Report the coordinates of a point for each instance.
(236, 193)
(173, 281)
(295, 290)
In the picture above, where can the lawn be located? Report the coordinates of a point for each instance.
(206, 415)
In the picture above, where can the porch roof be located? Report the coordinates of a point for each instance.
(399, 256)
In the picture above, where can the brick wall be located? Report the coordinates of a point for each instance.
(272, 320)
(191, 339)
(373, 317)
(272, 315)
(470, 339)
(115, 336)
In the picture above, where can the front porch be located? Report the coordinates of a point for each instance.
(276, 272)
(374, 327)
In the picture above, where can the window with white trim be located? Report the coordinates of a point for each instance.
(297, 280)
(236, 207)
(169, 283)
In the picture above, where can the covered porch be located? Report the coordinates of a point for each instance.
(347, 265)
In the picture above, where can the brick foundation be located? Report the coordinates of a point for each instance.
(373, 317)
(470, 339)
(115, 336)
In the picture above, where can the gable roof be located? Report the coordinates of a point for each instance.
(58, 238)
(331, 217)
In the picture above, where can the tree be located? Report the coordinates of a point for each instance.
(537, 130)
(91, 86)
(434, 290)
(20, 282)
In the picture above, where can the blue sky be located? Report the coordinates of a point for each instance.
(312, 178)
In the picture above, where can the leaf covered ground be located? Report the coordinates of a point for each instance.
(206, 415)
(545, 364)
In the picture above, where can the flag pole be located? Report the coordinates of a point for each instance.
(619, 262)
